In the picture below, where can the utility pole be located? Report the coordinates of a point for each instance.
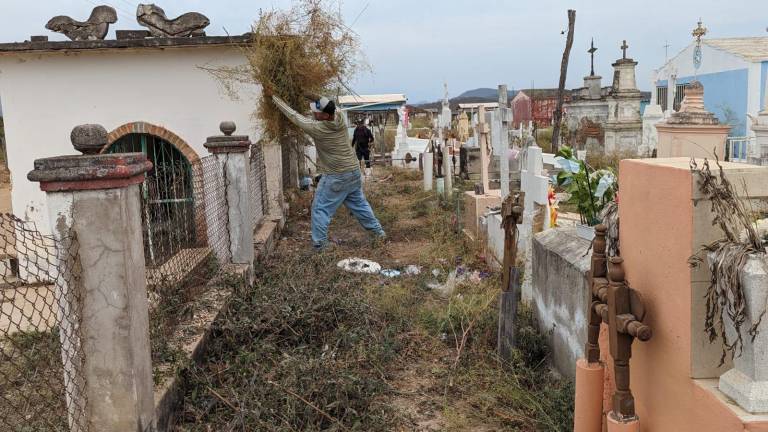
(558, 114)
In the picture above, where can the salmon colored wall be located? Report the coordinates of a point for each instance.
(656, 232)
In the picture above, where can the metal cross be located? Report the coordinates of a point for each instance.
(624, 47)
(591, 52)
(666, 51)
(699, 32)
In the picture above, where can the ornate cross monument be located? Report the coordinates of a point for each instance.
(624, 47)
(698, 33)
(591, 52)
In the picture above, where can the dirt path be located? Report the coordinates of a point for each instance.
(314, 348)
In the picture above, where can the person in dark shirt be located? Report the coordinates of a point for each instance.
(361, 141)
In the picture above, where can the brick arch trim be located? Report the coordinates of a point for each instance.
(158, 131)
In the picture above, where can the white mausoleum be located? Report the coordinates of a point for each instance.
(148, 93)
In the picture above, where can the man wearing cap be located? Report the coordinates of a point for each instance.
(341, 181)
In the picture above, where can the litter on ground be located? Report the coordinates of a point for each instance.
(359, 265)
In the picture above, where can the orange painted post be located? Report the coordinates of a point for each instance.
(588, 412)
(615, 425)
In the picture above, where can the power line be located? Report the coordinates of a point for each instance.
(360, 14)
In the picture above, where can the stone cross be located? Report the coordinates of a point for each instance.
(624, 47)
(535, 185)
(591, 52)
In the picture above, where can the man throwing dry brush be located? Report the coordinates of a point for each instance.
(336, 161)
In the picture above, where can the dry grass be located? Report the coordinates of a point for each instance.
(312, 348)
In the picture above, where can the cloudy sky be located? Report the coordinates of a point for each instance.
(415, 45)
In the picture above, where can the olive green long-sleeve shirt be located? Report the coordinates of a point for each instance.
(334, 154)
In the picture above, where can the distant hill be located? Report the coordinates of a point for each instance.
(485, 93)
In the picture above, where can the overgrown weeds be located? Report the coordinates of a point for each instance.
(303, 350)
(312, 348)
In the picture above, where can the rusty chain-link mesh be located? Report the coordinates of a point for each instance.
(257, 185)
(42, 384)
(186, 243)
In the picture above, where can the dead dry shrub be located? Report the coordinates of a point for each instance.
(306, 50)
(302, 51)
(726, 258)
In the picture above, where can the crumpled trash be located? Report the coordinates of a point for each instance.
(447, 288)
(412, 270)
(436, 272)
(390, 273)
(359, 265)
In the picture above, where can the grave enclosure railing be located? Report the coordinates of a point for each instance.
(257, 182)
(188, 244)
(41, 375)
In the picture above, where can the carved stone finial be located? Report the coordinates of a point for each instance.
(227, 127)
(188, 25)
(95, 28)
(89, 139)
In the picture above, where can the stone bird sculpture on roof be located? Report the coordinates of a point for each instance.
(95, 28)
(188, 25)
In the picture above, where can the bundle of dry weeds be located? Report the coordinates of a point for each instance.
(304, 50)
(727, 257)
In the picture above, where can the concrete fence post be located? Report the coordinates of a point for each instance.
(95, 198)
(232, 153)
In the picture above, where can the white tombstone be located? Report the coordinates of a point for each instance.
(445, 114)
(760, 127)
(482, 134)
(652, 115)
(504, 119)
(671, 92)
(535, 184)
(747, 382)
(427, 161)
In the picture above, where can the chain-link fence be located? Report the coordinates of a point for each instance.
(257, 185)
(41, 359)
(185, 221)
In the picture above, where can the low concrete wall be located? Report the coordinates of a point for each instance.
(561, 297)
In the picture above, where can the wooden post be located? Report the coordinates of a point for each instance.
(558, 114)
(511, 214)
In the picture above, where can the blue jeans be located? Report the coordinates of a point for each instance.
(332, 191)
